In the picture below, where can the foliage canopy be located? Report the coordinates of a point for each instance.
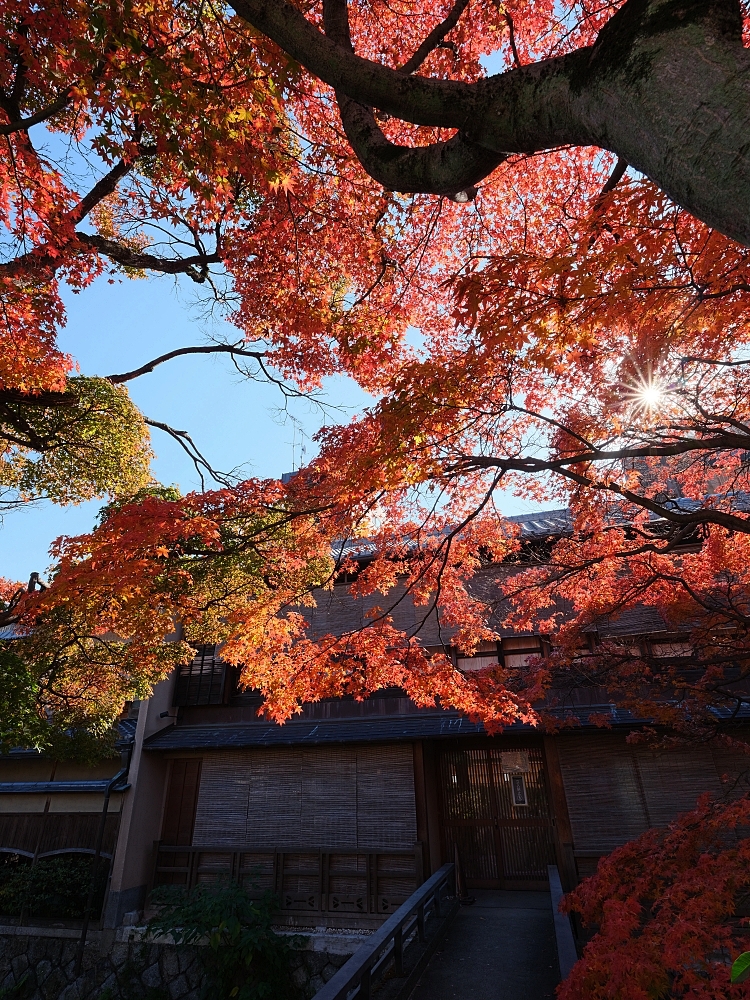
(568, 236)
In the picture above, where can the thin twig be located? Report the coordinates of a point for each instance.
(196, 457)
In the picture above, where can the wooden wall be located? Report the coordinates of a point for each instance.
(54, 833)
(181, 801)
(346, 797)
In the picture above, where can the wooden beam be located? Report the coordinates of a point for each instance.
(563, 830)
(434, 838)
(420, 803)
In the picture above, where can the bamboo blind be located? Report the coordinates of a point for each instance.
(347, 797)
(615, 791)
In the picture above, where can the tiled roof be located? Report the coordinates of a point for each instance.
(94, 786)
(312, 732)
(558, 521)
(546, 522)
(126, 731)
(339, 611)
(126, 728)
(385, 729)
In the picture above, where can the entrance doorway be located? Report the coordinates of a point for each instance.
(495, 809)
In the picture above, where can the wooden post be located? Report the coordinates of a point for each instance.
(563, 830)
(420, 804)
(364, 985)
(434, 840)
(398, 952)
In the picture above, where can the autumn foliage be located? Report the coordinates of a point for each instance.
(566, 334)
(665, 910)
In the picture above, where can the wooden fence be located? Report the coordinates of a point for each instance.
(386, 946)
(55, 833)
(314, 882)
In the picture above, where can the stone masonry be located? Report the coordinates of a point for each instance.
(39, 965)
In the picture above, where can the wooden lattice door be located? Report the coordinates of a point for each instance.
(495, 808)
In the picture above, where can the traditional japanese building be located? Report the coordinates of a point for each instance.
(344, 810)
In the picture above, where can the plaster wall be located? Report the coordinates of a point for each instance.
(140, 824)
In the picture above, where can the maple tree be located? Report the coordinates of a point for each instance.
(665, 908)
(541, 275)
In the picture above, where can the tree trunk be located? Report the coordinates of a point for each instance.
(666, 87)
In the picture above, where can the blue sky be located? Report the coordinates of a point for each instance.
(115, 328)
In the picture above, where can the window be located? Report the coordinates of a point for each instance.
(675, 650)
(201, 682)
(486, 655)
(518, 652)
(512, 653)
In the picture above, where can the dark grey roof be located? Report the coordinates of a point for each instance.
(383, 729)
(126, 728)
(559, 520)
(313, 732)
(126, 736)
(640, 620)
(98, 785)
(546, 522)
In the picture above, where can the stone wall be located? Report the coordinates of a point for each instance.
(38, 964)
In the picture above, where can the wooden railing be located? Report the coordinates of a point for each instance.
(387, 944)
(309, 881)
(567, 956)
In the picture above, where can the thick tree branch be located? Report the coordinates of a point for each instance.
(666, 87)
(615, 177)
(43, 260)
(194, 265)
(512, 39)
(22, 124)
(540, 91)
(723, 441)
(440, 168)
(435, 37)
(101, 190)
(233, 349)
(443, 168)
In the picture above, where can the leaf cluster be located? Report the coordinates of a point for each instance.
(665, 910)
(93, 443)
(52, 887)
(242, 955)
(33, 718)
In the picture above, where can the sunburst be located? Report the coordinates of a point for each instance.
(647, 393)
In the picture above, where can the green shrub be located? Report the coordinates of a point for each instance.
(53, 887)
(242, 957)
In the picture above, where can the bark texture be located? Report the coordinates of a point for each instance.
(666, 87)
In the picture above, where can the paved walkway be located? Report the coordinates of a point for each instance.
(501, 948)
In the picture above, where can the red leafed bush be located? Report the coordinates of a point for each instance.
(665, 908)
